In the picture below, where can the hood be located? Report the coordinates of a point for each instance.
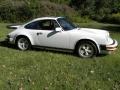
(94, 31)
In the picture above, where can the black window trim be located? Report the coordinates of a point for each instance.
(41, 20)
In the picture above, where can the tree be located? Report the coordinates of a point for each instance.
(96, 9)
(85, 7)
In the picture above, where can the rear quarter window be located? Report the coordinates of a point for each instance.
(33, 25)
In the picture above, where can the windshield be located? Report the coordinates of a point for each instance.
(65, 24)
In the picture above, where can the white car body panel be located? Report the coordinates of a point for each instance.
(50, 38)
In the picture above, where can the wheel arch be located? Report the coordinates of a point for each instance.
(90, 40)
(20, 36)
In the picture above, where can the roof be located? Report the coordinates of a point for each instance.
(42, 18)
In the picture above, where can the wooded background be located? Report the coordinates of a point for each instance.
(76, 10)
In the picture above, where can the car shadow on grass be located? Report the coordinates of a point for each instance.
(71, 53)
(6, 44)
(53, 51)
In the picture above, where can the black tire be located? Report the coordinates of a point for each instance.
(23, 43)
(86, 49)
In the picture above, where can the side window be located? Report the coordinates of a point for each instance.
(43, 25)
(49, 24)
(33, 25)
(55, 24)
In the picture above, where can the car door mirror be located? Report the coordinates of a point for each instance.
(58, 29)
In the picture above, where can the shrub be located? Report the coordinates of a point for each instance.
(14, 11)
(79, 19)
(20, 11)
(114, 18)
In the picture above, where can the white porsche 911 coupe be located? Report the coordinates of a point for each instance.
(59, 33)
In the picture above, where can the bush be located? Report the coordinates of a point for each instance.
(14, 11)
(20, 11)
(114, 18)
(78, 19)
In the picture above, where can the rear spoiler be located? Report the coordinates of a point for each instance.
(13, 26)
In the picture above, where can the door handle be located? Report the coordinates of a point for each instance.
(39, 33)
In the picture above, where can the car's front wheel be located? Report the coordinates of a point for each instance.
(86, 49)
(23, 43)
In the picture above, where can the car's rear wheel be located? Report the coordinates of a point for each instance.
(86, 49)
(23, 43)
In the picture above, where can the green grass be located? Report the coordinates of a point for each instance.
(48, 70)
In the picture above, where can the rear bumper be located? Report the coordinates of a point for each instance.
(9, 40)
(109, 48)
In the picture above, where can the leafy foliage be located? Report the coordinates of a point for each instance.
(22, 10)
(14, 11)
(19, 11)
(96, 9)
(113, 18)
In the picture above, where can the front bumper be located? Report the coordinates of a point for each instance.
(109, 48)
(113, 46)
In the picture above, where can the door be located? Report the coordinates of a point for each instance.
(54, 39)
(48, 37)
(44, 34)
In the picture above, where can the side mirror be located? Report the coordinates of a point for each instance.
(58, 29)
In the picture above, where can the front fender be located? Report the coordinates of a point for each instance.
(93, 40)
(76, 39)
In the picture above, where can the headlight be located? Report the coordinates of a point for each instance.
(108, 34)
(109, 40)
(108, 37)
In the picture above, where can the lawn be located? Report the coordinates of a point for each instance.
(50, 70)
